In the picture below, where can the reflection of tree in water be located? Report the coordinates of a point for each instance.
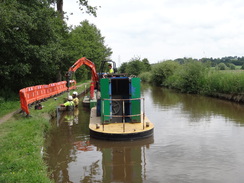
(60, 147)
(91, 172)
(59, 151)
(165, 97)
(198, 107)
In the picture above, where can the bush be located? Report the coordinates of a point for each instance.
(146, 77)
(232, 66)
(189, 78)
(221, 66)
(163, 70)
(135, 67)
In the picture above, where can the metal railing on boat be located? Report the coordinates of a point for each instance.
(124, 116)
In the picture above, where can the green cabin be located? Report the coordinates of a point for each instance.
(120, 100)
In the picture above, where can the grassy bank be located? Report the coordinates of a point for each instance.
(195, 77)
(8, 106)
(21, 143)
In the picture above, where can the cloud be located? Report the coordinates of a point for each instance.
(166, 29)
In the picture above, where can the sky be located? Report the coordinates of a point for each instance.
(161, 30)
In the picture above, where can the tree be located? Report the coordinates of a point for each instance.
(146, 63)
(163, 70)
(122, 68)
(135, 66)
(83, 5)
(30, 35)
(36, 44)
(86, 41)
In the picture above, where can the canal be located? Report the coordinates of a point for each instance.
(196, 139)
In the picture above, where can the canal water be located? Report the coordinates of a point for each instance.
(196, 140)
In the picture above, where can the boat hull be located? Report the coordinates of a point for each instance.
(121, 136)
(119, 131)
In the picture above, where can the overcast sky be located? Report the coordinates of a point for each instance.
(167, 29)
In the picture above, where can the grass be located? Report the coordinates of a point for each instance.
(21, 144)
(9, 106)
(20, 147)
(225, 82)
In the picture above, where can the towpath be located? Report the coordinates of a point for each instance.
(9, 115)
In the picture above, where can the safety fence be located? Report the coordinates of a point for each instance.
(36, 93)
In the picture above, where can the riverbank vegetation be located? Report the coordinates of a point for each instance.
(21, 143)
(195, 76)
(38, 47)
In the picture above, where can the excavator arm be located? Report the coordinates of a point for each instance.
(90, 64)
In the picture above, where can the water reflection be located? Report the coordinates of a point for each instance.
(73, 156)
(196, 139)
(69, 117)
(196, 106)
(123, 161)
(68, 133)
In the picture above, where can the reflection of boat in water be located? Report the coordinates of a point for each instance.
(123, 161)
(119, 113)
(101, 144)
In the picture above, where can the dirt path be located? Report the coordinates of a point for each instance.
(7, 116)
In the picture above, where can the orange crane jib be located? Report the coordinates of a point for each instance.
(92, 66)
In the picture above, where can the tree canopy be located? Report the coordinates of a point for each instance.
(135, 66)
(83, 5)
(36, 45)
(86, 41)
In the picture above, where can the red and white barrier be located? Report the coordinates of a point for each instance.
(35, 93)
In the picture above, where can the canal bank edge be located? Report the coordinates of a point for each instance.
(231, 97)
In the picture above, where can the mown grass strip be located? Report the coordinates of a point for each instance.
(20, 148)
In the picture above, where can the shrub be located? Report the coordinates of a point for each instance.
(163, 70)
(232, 66)
(135, 66)
(189, 78)
(146, 77)
(221, 66)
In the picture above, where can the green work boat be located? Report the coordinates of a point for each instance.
(119, 113)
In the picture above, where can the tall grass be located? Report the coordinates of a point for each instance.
(224, 82)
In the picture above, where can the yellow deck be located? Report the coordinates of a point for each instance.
(118, 128)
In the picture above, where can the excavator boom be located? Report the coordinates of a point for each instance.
(87, 62)
(90, 64)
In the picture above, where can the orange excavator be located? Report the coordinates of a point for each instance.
(78, 64)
